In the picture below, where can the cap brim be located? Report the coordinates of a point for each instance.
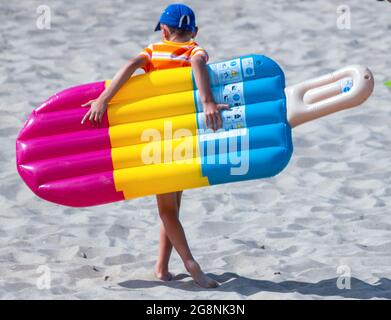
(157, 26)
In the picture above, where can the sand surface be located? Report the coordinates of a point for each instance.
(280, 238)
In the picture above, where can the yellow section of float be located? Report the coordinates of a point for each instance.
(166, 150)
(152, 130)
(154, 84)
(159, 178)
(138, 132)
(164, 106)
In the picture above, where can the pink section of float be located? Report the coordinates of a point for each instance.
(62, 160)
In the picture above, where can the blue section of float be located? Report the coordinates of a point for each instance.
(253, 84)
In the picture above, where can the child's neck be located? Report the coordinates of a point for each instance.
(178, 39)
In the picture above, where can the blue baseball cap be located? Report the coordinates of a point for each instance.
(178, 16)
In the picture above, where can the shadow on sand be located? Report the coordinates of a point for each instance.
(232, 282)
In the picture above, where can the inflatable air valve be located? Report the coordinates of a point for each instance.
(76, 165)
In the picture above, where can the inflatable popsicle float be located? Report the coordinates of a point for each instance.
(77, 165)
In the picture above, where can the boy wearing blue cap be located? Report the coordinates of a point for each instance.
(177, 49)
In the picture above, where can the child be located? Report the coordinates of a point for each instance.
(177, 49)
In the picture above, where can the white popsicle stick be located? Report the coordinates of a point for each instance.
(345, 88)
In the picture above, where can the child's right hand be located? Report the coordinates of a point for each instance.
(212, 114)
(96, 112)
(99, 106)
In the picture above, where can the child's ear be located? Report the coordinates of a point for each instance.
(195, 32)
(165, 32)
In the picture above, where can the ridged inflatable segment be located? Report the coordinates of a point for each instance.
(153, 137)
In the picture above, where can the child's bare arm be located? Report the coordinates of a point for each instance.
(211, 108)
(99, 105)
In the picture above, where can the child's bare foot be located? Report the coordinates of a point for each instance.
(201, 278)
(162, 273)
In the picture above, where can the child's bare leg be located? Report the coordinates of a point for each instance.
(165, 248)
(168, 210)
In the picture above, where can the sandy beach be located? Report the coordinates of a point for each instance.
(289, 237)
